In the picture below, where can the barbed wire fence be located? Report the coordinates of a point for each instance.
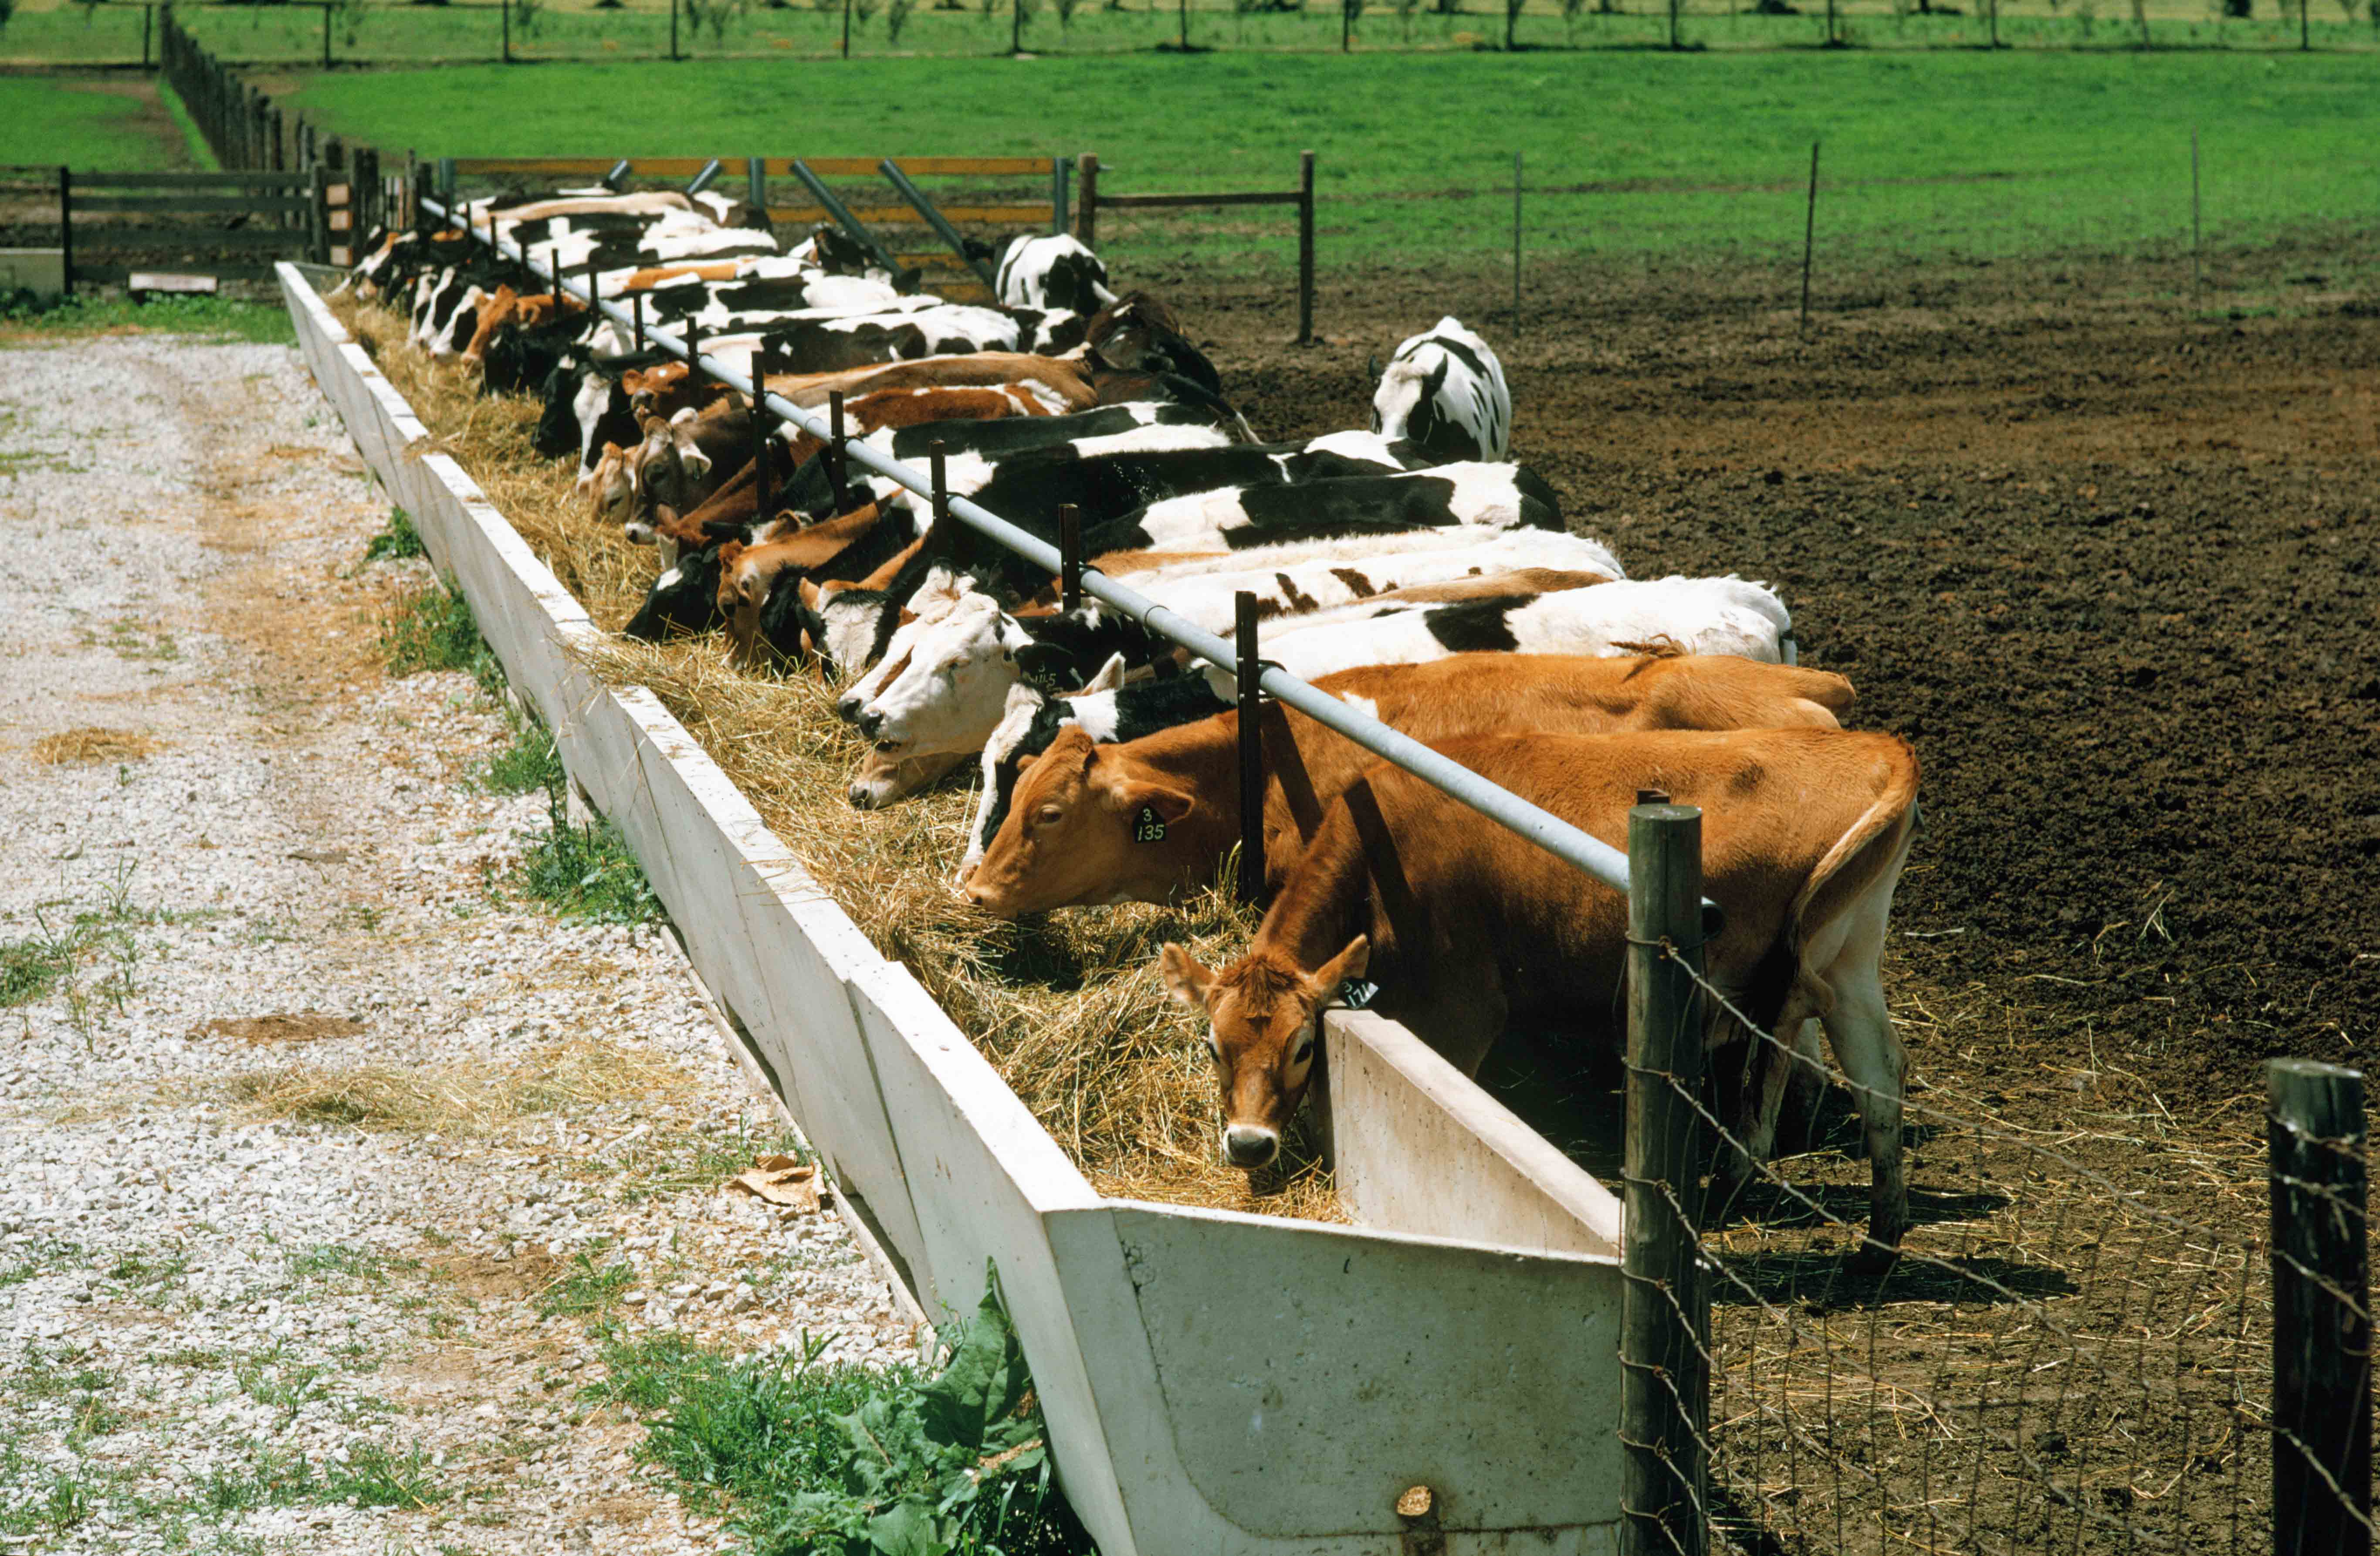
(2052, 1359)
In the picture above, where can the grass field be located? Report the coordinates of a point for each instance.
(378, 31)
(1961, 153)
(79, 123)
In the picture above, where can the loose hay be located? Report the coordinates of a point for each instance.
(93, 744)
(459, 1097)
(1067, 1007)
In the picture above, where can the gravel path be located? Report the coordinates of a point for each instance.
(304, 1148)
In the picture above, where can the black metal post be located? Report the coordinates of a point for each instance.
(1809, 233)
(1252, 778)
(1070, 557)
(1305, 247)
(505, 7)
(636, 307)
(941, 490)
(66, 229)
(760, 431)
(672, 28)
(2322, 1311)
(326, 37)
(834, 441)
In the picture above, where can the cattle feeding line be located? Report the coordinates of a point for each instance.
(1532, 822)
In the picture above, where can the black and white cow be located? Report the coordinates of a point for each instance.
(1053, 272)
(1444, 390)
(1490, 496)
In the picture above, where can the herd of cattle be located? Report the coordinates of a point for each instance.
(1410, 569)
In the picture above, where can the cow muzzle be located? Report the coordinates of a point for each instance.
(1250, 1146)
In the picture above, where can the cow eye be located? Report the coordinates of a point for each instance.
(1214, 1048)
(1305, 1050)
(1049, 816)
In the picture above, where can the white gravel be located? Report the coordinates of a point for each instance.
(195, 1289)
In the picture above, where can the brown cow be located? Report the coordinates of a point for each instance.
(1074, 831)
(1065, 381)
(1465, 926)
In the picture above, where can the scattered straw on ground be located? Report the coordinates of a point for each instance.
(459, 1097)
(1067, 1008)
(90, 744)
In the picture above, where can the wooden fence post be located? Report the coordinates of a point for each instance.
(2322, 1311)
(326, 37)
(505, 7)
(1086, 220)
(1664, 1378)
(319, 248)
(148, 16)
(1305, 247)
(674, 29)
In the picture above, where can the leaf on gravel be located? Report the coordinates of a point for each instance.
(780, 1180)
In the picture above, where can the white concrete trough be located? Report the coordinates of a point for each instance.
(1215, 1382)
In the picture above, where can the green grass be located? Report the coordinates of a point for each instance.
(585, 1288)
(215, 320)
(384, 33)
(838, 1459)
(56, 121)
(432, 629)
(527, 762)
(1642, 154)
(586, 872)
(397, 540)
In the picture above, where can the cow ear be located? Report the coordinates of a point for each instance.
(808, 591)
(1171, 804)
(1110, 676)
(1348, 964)
(1182, 977)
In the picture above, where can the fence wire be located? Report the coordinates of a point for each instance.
(2057, 1360)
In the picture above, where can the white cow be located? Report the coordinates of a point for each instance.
(1444, 390)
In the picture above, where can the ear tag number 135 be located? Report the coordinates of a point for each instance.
(1147, 826)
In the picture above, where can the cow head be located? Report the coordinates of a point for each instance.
(1031, 722)
(611, 493)
(683, 600)
(1085, 824)
(495, 312)
(1406, 407)
(1264, 1029)
(663, 468)
(952, 686)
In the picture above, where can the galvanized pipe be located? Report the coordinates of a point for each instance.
(1507, 809)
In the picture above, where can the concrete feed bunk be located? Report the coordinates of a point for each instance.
(1214, 1381)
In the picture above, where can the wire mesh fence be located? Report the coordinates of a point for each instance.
(2083, 1343)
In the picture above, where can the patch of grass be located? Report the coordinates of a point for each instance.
(585, 1287)
(841, 1459)
(269, 1478)
(363, 1264)
(215, 321)
(432, 628)
(397, 540)
(29, 969)
(140, 1268)
(192, 1355)
(277, 1384)
(374, 1477)
(527, 762)
(1950, 152)
(586, 872)
(52, 121)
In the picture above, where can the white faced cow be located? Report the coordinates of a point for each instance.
(1444, 390)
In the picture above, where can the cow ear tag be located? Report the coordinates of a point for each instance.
(1357, 994)
(1147, 826)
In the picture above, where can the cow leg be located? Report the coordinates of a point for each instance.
(1776, 1062)
(1869, 1052)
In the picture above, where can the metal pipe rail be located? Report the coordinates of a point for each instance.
(1537, 824)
